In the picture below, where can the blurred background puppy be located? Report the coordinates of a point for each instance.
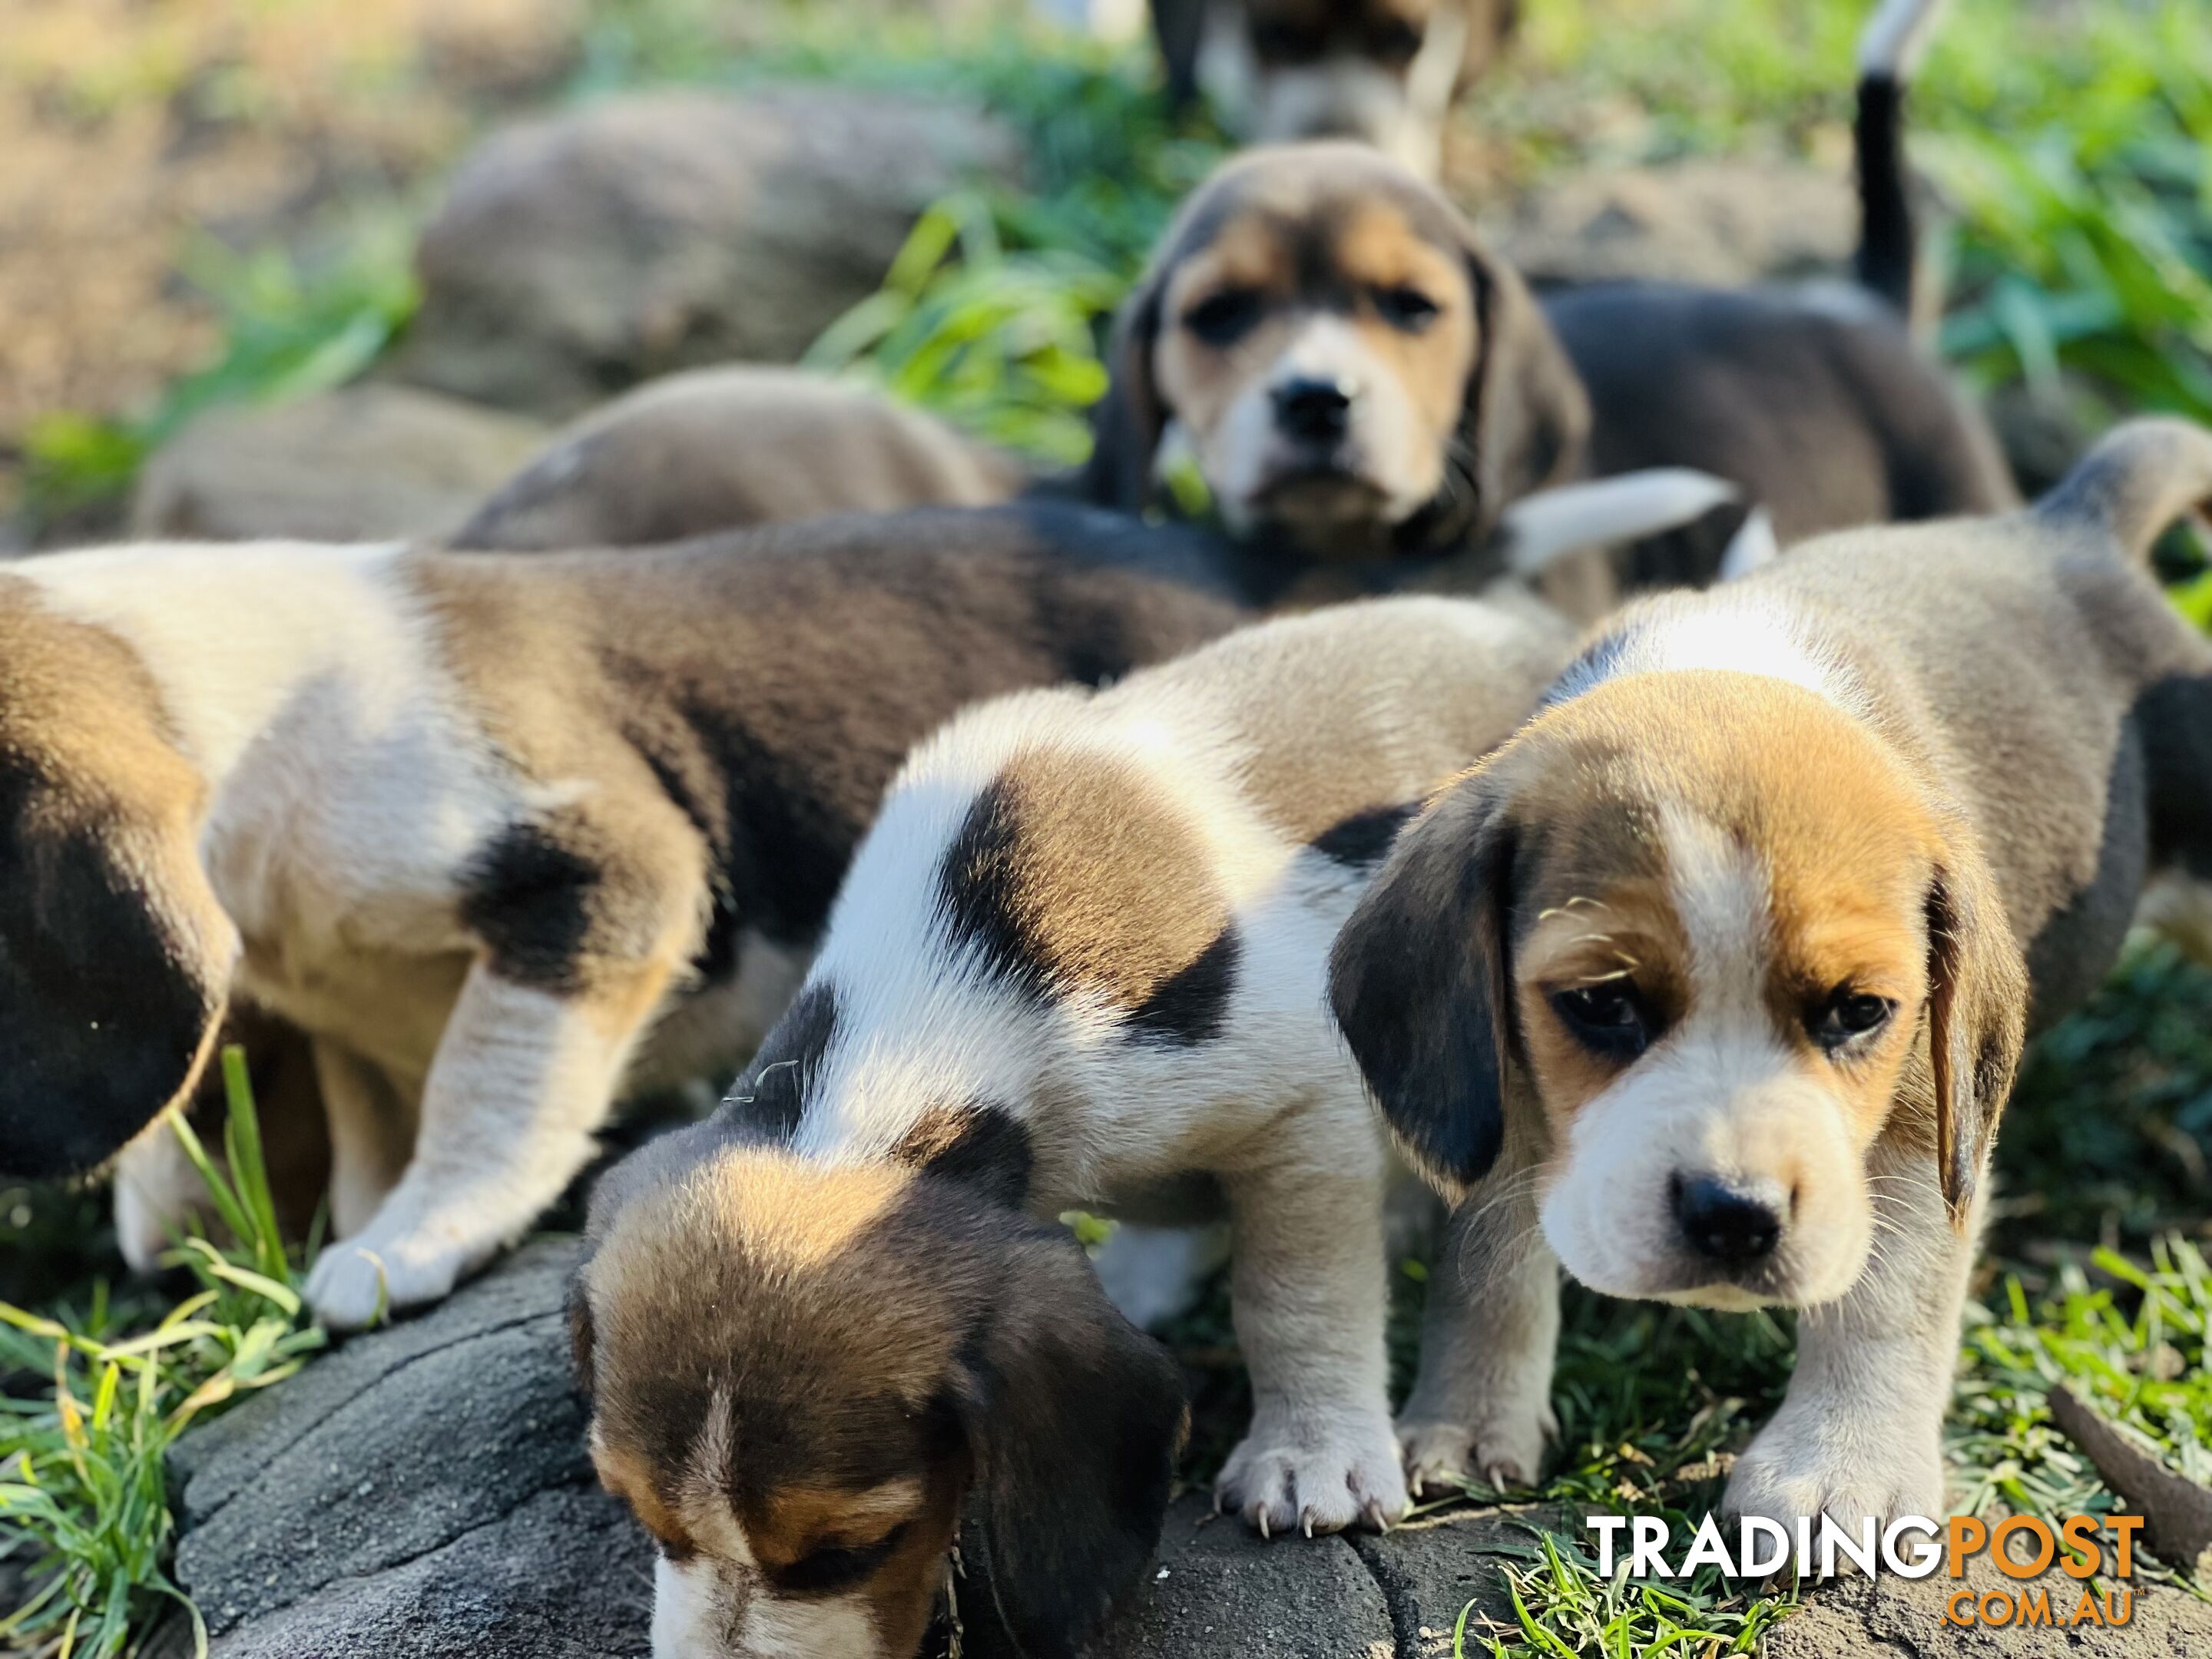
(1385, 72)
(1358, 378)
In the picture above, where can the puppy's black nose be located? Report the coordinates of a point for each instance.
(1313, 411)
(1724, 1224)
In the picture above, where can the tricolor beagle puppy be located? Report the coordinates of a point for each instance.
(1710, 984)
(726, 448)
(1385, 72)
(1078, 961)
(1359, 379)
(505, 835)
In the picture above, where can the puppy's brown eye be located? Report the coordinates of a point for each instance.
(1224, 318)
(1847, 1016)
(1407, 308)
(1609, 1019)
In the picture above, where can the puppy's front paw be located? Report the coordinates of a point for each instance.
(1505, 1450)
(1315, 1474)
(356, 1281)
(1802, 1467)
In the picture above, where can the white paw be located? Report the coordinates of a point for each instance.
(1316, 1473)
(157, 1192)
(1503, 1450)
(1809, 1463)
(355, 1283)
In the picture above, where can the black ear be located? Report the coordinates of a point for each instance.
(1127, 424)
(112, 981)
(1526, 421)
(1420, 984)
(1977, 992)
(1075, 1418)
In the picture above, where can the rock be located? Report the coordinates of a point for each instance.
(722, 449)
(423, 1493)
(364, 464)
(1719, 221)
(576, 255)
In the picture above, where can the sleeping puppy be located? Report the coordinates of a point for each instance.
(1710, 984)
(1385, 72)
(726, 448)
(1357, 378)
(1078, 961)
(506, 835)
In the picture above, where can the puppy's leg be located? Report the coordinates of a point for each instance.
(157, 1191)
(1310, 1298)
(523, 1079)
(1859, 1433)
(1482, 1407)
(372, 1129)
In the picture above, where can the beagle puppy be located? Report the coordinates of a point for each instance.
(1385, 72)
(506, 835)
(1078, 961)
(1358, 378)
(726, 448)
(1710, 984)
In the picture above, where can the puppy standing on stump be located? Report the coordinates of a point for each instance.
(1079, 961)
(1711, 983)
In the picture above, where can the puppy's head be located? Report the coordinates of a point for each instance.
(801, 1373)
(114, 956)
(1381, 71)
(1352, 371)
(1707, 940)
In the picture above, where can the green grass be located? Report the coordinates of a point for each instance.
(85, 1513)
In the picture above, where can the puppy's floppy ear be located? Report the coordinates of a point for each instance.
(1075, 1418)
(114, 967)
(1977, 994)
(583, 1335)
(1527, 418)
(1421, 985)
(1127, 423)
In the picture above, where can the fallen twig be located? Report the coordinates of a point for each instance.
(2177, 1512)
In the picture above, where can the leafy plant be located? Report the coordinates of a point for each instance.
(290, 328)
(84, 1501)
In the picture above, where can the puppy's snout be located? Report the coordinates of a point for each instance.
(1313, 410)
(1724, 1222)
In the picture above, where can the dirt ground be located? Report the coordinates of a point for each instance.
(132, 130)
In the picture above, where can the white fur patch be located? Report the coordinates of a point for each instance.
(1542, 528)
(1738, 630)
(1897, 36)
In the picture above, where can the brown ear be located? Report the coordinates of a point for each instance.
(1420, 981)
(1976, 1019)
(1127, 423)
(1075, 1418)
(114, 967)
(1527, 418)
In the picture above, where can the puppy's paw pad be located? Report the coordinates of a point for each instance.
(1784, 1479)
(1441, 1458)
(355, 1285)
(1313, 1484)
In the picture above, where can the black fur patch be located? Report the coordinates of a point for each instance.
(1190, 1006)
(984, 1146)
(529, 898)
(1359, 842)
(974, 886)
(771, 1096)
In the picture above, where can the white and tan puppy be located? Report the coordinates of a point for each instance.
(1711, 983)
(1078, 961)
(504, 835)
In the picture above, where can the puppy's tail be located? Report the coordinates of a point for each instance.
(2139, 479)
(1889, 52)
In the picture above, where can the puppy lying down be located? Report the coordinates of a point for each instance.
(1711, 983)
(1078, 961)
(505, 836)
